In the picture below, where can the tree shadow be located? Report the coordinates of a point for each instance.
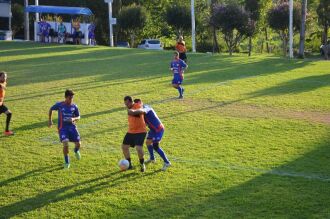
(70, 192)
(298, 189)
(32, 173)
(295, 86)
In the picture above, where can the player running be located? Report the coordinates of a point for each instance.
(177, 67)
(155, 134)
(68, 115)
(135, 135)
(3, 108)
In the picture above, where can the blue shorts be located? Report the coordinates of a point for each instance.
(69, 133)
(155, 136)
(177, 79)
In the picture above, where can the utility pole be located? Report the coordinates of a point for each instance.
(193, 30)
(111, 21)
(26, 22)
(37, 14)
(291, 29)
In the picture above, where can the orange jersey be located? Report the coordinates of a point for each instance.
(180, 47)
(2, 90)
(136, 124)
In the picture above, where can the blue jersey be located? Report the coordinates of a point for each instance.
(152, 119)
(65, 113)
(178, 65)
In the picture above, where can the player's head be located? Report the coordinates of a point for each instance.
(3, 76)
(68, 96)
(128, 101)
(176, 55)
(138, 101)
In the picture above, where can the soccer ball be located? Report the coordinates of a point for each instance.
(123, 164)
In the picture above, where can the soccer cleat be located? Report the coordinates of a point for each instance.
(78, 155)
(66, 166)
(150, 161)
(166, 165)
(8, 133)
(143, 168)
(180, 97)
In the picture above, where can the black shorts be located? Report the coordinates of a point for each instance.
(183, 56)
(134, 139)
(3, 109)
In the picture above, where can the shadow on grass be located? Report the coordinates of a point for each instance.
(71, 191)
(298, 189)
(31, 173)
(299, 85)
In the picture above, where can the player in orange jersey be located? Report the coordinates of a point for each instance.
(135, 135)
(3, 108)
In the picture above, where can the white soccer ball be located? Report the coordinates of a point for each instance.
(123, 164)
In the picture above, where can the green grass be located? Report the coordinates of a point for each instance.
(250, 139)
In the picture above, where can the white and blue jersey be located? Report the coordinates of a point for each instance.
(156, 128)
(67, 129)
(177, 66)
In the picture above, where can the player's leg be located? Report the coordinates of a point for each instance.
(75, 137)
(149, 147)
(66, 153)
(139, 140)
(127, 142)
(4, 109)
(64, 138)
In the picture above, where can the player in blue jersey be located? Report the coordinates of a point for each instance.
(155, 134)
(68, 115)
(177, 67)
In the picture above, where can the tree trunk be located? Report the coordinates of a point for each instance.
(215, 41)
(132, 40)
(250, 45)
(267, 44)
(325, 34)
(301, 53)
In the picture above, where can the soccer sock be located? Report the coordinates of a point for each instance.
(162, 155)
(8, 121)
(76, 150)
(66, 159)
(142, 161)
(180, 90)
(129, 160)
(151, 152)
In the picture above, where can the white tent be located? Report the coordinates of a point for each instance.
(5, 11)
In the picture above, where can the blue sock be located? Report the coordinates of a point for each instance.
(162, 154)
(66, 159)
(180, 90)
(151, 152)
(76, 149)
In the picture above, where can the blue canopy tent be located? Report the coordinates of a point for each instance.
(58, 10)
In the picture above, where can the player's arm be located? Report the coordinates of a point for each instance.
(50, 117)
(76, 116)
(1, 97)
(136, 112)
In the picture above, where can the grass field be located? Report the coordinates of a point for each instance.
(250, 140)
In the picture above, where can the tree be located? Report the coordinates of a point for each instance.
(301, 52)
(253, 7)
(278, 19)
(18, 21)
(132, 20)
(179, 17)
(233, 21)
(323, 11)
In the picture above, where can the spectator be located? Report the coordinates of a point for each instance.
(61, 31)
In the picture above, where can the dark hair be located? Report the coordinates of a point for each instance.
(2, 73)
(128, 98)
(176, 53)
(68, 93)
(137, 100)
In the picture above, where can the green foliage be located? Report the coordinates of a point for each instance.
(179, 17)
(18, 18)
